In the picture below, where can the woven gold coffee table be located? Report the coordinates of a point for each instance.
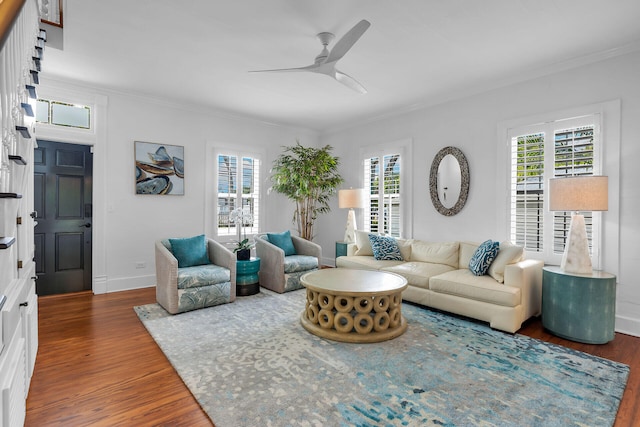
(357, 306)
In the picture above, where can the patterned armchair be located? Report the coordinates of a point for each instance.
(281, 273)
(189, 288)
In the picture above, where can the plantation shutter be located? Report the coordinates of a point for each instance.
(383, 213)
(227, 192)
(573, 151)
(372, 183)
(251, 192)
(573, 156)
(527, 184)
(238, 186)
(391, 195)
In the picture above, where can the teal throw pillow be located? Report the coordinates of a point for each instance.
(283, 241)
(483, 257)
(190, 251)
(385, 248)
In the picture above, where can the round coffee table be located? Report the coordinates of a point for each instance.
(359, 306)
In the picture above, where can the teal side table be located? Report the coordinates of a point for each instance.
(579, 307)
(341, 249)
(247, 282)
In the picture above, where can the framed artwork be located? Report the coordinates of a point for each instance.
(159, 168)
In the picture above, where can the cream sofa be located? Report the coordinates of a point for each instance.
(438, 276)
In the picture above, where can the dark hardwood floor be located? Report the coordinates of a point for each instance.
(98, 366)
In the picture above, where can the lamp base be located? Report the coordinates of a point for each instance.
(350, 230)
(576, 258)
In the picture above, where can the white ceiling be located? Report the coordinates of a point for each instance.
(416, 52)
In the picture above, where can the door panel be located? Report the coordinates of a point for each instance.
(62, 200)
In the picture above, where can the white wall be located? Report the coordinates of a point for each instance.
(471, 125)
(125, 224)
(132, 223)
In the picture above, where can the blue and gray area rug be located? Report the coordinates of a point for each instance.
(250, 363)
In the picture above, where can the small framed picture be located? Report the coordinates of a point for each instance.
(159, 168)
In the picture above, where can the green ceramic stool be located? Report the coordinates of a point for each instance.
(247, 281)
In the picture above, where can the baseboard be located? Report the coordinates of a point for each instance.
(130, 283)
(100, 285)
(628, 325)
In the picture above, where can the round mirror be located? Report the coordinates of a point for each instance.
(449, 181)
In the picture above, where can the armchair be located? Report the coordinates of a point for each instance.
(189, 288)
(281, 273)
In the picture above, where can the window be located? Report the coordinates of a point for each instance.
(238, 185)
(63, 114)
(540, 152)
(382, 182)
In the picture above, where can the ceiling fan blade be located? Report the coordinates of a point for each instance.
(279, 70)
(349, 81)
(347, 41)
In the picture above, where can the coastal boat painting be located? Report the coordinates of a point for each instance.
(159, 168)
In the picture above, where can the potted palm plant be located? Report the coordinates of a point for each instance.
(308, 176)
(240, 217)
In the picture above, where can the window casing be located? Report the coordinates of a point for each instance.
(559, 148)
(238, 185)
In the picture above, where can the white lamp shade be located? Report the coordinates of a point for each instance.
(351, 198)
(579, 193)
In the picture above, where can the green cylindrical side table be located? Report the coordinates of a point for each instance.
(579, 307)
(247, 281)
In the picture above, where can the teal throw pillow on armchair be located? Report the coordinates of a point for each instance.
(483, 257)
(190, 251)
(283, 241)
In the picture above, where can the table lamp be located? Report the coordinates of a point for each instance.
(578, 193)
(351, 199)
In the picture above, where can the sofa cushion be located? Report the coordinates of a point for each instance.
(467, 249)
(418, 273)
(483, 257)
(464, 284)
(190, 251)
(508, 254)
(283, 241)
(405, 248)
(202, 275)
(364, 262)
(363, 243)
(295, 263)
(385, 248)
(438, 253)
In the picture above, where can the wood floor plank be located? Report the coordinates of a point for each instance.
(97, 365)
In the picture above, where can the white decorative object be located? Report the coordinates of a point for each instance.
(350, 199)
(578, 193)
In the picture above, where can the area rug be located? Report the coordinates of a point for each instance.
(250, 363)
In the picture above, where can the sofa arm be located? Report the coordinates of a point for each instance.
(220, 255)
(527, 275)
(166, 278)
(351, 249)
(307, 247)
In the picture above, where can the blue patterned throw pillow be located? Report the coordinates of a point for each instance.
(483, 257)
(385, 248)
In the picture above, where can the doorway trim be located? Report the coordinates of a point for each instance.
(96, 137)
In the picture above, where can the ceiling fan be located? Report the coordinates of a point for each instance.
(325, 62)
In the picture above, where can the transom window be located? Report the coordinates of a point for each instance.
(63, 114)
